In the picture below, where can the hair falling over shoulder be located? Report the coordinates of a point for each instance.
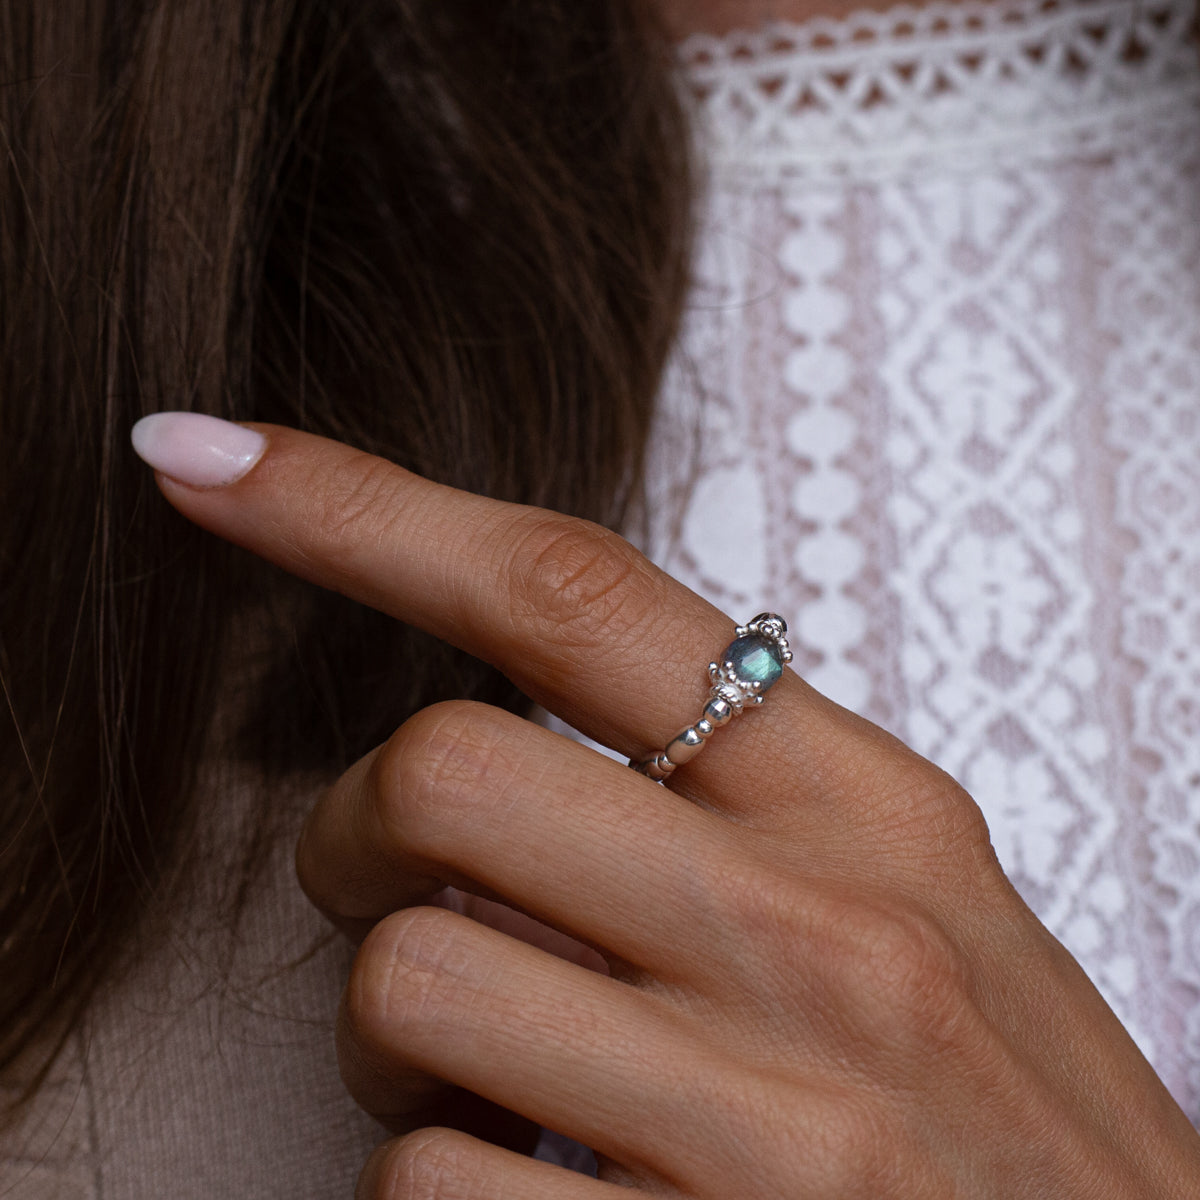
(452, 232)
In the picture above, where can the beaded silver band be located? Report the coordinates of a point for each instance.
(751, 664)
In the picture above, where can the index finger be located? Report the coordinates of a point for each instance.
(580, 620)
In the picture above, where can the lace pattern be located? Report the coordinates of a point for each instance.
(949, 420)
(966, 85)
(1153, 420)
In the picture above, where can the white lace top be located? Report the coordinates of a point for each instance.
(945, 353)
(943, 358)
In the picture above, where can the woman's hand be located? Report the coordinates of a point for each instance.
(819, 984)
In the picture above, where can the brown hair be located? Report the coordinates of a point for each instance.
(452, 232)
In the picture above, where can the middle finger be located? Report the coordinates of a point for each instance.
(476, 797)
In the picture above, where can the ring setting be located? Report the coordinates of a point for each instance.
(752, 664)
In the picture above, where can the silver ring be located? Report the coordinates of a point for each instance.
(751, 665)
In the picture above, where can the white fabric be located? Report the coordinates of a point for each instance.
(943, 357)
(946, 343)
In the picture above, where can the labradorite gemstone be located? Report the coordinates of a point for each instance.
(755, 660)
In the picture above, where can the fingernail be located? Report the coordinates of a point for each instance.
(197, 450)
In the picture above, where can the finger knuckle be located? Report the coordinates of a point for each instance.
(904, 975)
(447, 758)
(431, 1164)
(579, 584)
(401, 976)
(860, 1145)
(356, 505)
(887, 962)
(833, 1139)
(923, 808)
(957, 824)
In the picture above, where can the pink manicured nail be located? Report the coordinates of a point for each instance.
(197, 450)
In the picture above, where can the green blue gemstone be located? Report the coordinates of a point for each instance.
(755, 659)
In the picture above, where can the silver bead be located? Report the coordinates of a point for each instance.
(656, 768)
(684, 746)
(718, 712)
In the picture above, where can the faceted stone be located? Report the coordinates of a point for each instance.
(755, 660)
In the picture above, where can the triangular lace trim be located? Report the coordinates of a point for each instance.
(878, 92)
